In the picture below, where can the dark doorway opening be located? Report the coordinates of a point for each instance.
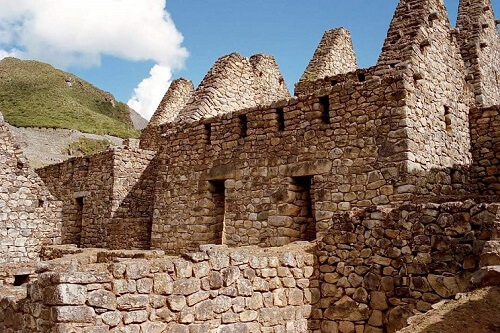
(324, 102)
(21, 279)
(218, 192)
(304, 199)
(80, 201)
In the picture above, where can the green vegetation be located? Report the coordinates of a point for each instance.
(34, 94)
(85, 146)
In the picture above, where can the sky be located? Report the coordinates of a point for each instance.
(134, 49)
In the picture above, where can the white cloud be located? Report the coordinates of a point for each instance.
(149, 93)
(79, 32)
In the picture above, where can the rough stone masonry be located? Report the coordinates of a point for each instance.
(359, 202)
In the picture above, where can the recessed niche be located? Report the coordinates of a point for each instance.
(21, 279)
(447, 118)
(280, 113)
(424, 45)
(208, 132)
(324, 102)
(243, 125)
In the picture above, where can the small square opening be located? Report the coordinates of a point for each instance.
(21, 279)
(361, 77)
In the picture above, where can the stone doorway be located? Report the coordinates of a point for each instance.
(218, 193)
(78, 221)
(304, 199)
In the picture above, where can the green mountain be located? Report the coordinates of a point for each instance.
(35, 94)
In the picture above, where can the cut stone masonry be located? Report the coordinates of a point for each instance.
(365, 199)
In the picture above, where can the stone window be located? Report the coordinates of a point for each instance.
(208, 133)
(40, 203)
(21, 279)
(218, 193)
(324, 102)
(334, 83)
(281, 119)
(447, 118)
(361, 77)
(243, 125)
(304, 199)
(424, 45)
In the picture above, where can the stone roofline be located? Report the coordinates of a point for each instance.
(88, 158)
(322, 87)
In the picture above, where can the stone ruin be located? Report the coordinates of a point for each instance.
(363, 200)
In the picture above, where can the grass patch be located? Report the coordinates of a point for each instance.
(34, 94)
(85, 146)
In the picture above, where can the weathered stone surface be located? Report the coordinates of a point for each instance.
(347, 309)
(73, 314)
(112, 318)
(65, 294)
(132, 302)
(102, 299)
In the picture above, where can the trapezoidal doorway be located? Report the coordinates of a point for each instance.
(304, 199)
(216, 228)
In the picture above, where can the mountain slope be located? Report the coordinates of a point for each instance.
(138, 121)
(35, 94)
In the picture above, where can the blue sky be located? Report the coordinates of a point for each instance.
(288, 29)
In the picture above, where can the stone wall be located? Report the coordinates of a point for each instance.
(334, 55)
(353, 149)
(480, 45)
(370, 270)
(133, 200)
(485, 132)
(381, 266)
(175, 99)
(215, 290)
(437, 98)
(94, 188)
(235, 83)
(29, 215)
(85, 186)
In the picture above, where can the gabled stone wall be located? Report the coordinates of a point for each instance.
(175, 99)
(235, 83)
(480, 46)
(29, 215)
(334, 55)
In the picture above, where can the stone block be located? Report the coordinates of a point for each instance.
(73, 314)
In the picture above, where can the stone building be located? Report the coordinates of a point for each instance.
(365, 198)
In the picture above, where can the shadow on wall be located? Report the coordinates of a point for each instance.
(131, 224)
